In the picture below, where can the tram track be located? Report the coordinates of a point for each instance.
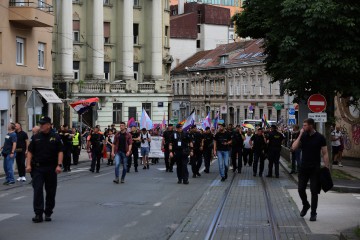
(271, 218)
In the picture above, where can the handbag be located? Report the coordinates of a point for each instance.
(326, 181)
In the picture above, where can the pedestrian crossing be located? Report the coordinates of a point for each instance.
(4, 216)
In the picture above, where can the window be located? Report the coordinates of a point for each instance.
(41, 55)
(270, 90)
(269, 114)
(261, 112)
(107, 70)
(199, 28)
(177, 88)
(132, 113)
(261, 87)
(167, 36)
(147, 107)
(198, 44)
(244, 89)
(245, 113)
(136, 3)
(136, 33)
(106, 32)
(76, 30)
(76, 68)
(182, 88)
(136, 71)
(106, 2)
(20, 51)
(224, 59)
(41, 3)
(117, 112)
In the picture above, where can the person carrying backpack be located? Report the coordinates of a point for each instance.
(145, 139)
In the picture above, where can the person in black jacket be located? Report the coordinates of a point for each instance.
(237, 145)
(207, 148)
(196, 159)
(274, 141)
(258, 145)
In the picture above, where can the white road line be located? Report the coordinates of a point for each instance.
(18, 198)
(356, 195)
(358, 198)
(132, 224)
(158, 204)
(148, 212)
(3, 195)
(2, 177)
(4, 216)
(103, 174)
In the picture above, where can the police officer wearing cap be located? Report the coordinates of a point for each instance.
(274, 141)
(165, 147)
(207, 147)
(44, 162)
(196, 159)
(180, 147)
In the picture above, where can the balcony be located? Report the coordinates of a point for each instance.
(146, 87)
(117, 87)
(36, 13)
(89, 87)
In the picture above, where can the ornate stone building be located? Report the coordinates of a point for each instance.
(117, 51)
(232, 80)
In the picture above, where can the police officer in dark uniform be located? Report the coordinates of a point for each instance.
(44, 162)
(180, 148)
(207, 145)
(196, 159)
(165, 147)
(66, 137)
(135, 149)
(274, 141)
(96, 143)
(237, 145)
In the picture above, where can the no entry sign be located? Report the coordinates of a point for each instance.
(316, 103)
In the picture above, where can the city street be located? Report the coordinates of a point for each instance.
(151, 205)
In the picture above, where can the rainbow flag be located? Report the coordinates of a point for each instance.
(264, 121)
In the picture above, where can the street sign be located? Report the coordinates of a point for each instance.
(278, 106)
(318, 117)
(292, 117)
(316, 103)
(292, 121)
(292, 111)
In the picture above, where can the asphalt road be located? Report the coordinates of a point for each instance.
(149, 205)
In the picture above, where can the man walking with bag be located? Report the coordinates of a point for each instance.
(313, 146)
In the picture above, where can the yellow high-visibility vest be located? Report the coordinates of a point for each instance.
(75, 140)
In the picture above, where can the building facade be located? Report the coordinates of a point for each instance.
(231, 80)
(197, 27)
(117, 51)
(25, 62)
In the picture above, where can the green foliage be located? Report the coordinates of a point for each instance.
(313, 45)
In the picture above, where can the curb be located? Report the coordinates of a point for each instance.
(337, 188)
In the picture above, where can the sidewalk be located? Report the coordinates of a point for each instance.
(82, 158)
(351, 167)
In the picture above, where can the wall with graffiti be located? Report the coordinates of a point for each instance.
(348, 118)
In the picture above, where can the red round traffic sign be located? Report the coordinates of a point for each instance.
(316, 103)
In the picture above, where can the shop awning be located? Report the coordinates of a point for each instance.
(49, 95)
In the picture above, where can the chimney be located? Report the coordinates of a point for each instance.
(181, 7)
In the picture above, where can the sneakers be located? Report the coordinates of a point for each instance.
(340, 165)
(179, 182)
(198, 174)
(19, 179)
(116, 180)
(313, 217)
(37, 219)
(122, 180)
(23, 179)
(304, 210)
(185, 182)
(223, 179)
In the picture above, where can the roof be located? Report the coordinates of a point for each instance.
(237, 54)
(182, 67)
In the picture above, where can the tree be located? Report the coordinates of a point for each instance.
(313, 45)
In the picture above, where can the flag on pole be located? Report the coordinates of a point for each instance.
(190, 120)
(264, 121)
(216, 120)
(131, 123)
(182, 122)
(163, 123)
(207, 121)
(145, 121)
(82, 106)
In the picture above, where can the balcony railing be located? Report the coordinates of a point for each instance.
(146, 87)
(92, 87)
(117, 87)
(39, 4)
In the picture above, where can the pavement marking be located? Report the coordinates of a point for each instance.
(356, 195)
(161, 169)
(132, 224)
(2, 177)
(3, 195)
(148, 212)
(4, 216)
(103, 174)
(358, 198)
(158, 204)
(18, 198)
(78, 170)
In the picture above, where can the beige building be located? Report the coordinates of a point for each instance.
(25, 61)
(117, 51)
